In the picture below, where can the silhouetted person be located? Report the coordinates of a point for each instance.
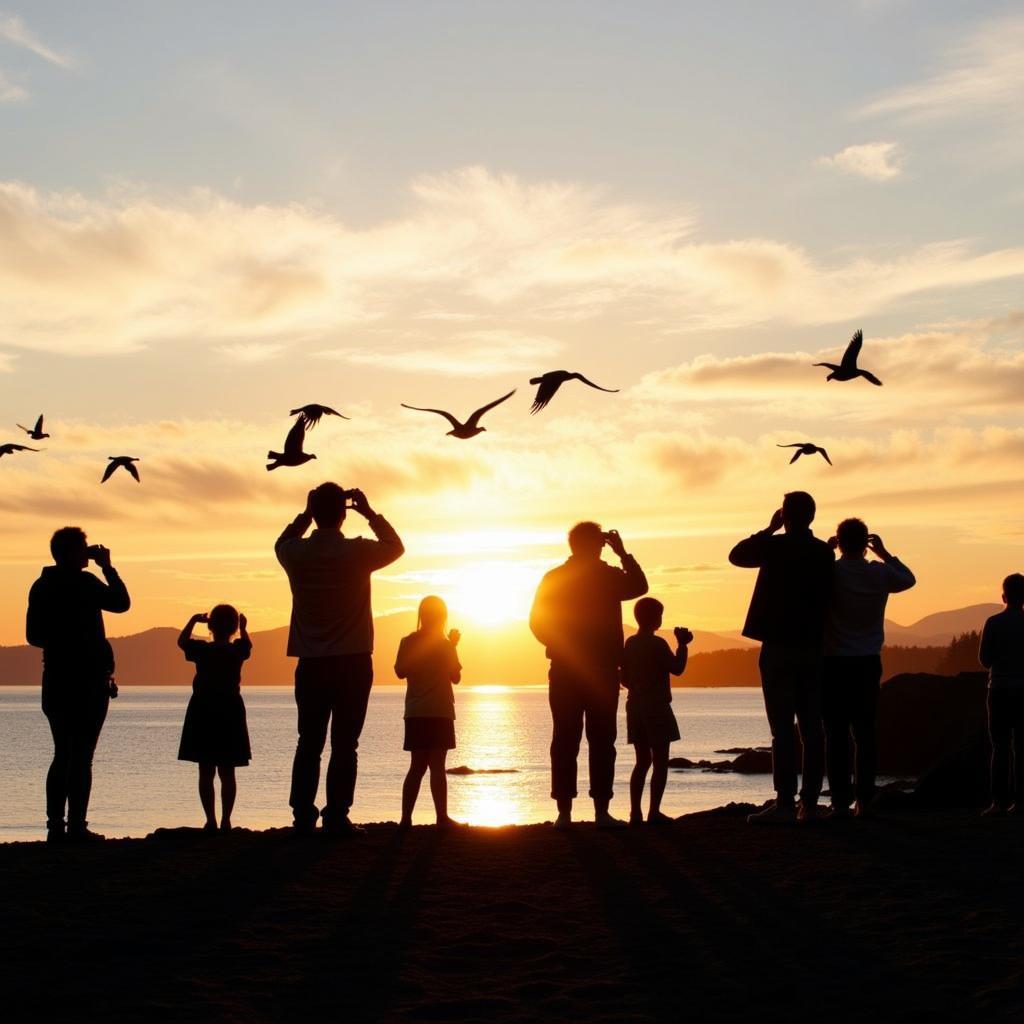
(65, 619)
(428, 661)
(1002, 653)
(647, 664)
(215, 734)
(854, 634)
(787, 614)
(577, 616)
(331, 634)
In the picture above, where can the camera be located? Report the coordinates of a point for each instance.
(92, 551)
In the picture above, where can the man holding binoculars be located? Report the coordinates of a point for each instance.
(65, 618)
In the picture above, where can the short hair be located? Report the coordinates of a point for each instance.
(799, 508)
(647, 611)
(852, 535)
(327, 504)
(1013, 588)
(585, 535)
(67, 542)
(223, 620)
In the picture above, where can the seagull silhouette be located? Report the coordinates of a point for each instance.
(848, 369)
(312, 413)
(293, 455)
(10, 449)
(118, 461)
(806, 448)
(550, 382)
(472, 426)
(36, 433)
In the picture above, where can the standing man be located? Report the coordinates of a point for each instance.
(65, 618)
(787, 614)
(331, 634)
(577, 616)
(854, 634)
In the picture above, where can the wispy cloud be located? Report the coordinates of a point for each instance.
(14, 30)
(876, 161)
(248, 353)
(10, 92)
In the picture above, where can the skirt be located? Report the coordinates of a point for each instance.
(429, 734)
(650, 726)
(215, 731)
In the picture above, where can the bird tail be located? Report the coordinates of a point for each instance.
(273, 465)
(537, 406)
(274, 455)
(536, 380)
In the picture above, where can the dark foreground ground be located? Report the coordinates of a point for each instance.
(908, 917)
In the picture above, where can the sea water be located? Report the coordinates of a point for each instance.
(139, 784)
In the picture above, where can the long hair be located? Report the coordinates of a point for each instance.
(432, 610)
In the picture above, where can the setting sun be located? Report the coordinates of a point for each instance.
(493, 592)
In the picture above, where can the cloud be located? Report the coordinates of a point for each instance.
(9, 91)
(15, 31)
(984, 72)
(251, 352)
(876, 161)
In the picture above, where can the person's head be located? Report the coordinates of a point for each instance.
(852, 535)
(1013, 590)
(432, 615)
(70, 548)
(327, 505)
(586, 540)
(798, 510)
(648, 612)
(223, 622)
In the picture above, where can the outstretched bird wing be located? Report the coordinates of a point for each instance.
(440, 412)
(130, 466)
(293, 442)
(474, 420)
(111, 466)
(312, 413)
(27, 431)
(853, 350)
(39, 425)
(797, 445)
(825, 455)
(549, 384)
(871, 377)
(590, 383)
(796, 455)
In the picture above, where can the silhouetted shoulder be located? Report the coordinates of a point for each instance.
(194, 649)
(242, 647)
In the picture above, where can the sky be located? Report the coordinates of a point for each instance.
(211, 214)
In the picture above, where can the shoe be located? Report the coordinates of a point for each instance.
(301, 829)
(55, 832)
(636, 820)
(993, 811)
(344, 829)
(450, 825)
(82, 834)
(862, 810)
(659, 819)
(564, 820)
(839, 813)
(605, 820)
(774, 814)
(808, 814)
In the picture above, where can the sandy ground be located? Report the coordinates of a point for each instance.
(912, 916)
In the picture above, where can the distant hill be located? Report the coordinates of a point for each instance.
(938, 629)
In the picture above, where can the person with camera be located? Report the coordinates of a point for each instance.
(65, 618)
(577, 616)
(331, 634)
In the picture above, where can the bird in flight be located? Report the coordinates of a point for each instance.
(36, 433)
(118, 461)
(472, 426)
(10, 449)
(311, 414)
(805, 448)
(550, 382)
(848, 369)
(293, 455)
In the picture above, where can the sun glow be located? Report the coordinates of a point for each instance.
(494, 592)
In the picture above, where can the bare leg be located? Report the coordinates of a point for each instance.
(228, 792)
(659, 777)
(439, 785)
(637, 781)
(206, 794)
(411, 786)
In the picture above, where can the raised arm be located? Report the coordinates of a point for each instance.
(898, 576)
(388, 547)
(677, 664)
(634, 581)
(186, 634)
(113, 595)
(295, 530)
(752, 552)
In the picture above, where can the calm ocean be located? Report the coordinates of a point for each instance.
(140, 785)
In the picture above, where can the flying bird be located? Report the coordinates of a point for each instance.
(293, 455)
(117, 462)
(312, 413)
(472, 426)
(848, 369)
(805, 448)
(550, 382)
(36, 433)
(10, 449)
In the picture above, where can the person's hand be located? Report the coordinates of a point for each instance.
(101, 556)
(308, 510)
(360, 504)
(876, 547)
(614, 541)
(776, 522)
(242, 621)
(833, 543)
(683, 636)
(455, 636)
(201, 617)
